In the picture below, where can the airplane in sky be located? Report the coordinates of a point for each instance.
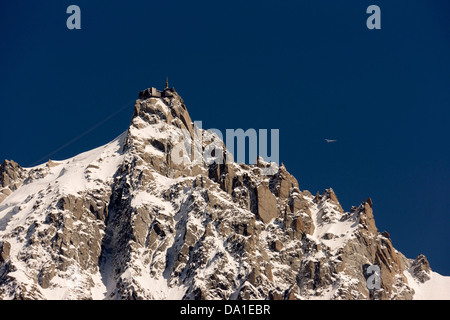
(329, 141)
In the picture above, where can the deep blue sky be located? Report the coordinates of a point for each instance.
(309, 68)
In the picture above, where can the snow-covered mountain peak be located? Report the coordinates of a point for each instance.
(127, 221)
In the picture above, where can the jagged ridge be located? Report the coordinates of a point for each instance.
(124, 221)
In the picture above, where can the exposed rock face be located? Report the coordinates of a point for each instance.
(130, 221)
(420, 268)
(369, 247)
(10, 173)
(11, 177)
(267, 204)
(5, 248)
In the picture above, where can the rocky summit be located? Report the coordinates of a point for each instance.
(125, 221)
